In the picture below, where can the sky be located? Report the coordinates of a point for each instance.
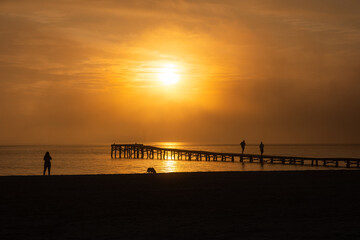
(88, 72)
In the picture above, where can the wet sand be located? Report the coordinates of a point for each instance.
(233, 205)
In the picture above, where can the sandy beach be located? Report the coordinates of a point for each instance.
(232, 205)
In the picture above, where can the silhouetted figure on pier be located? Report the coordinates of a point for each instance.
(47, 163)
(261, 146)
(243, 144)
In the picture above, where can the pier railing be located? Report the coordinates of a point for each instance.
(140, 151)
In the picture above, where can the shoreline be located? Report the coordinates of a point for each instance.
(329, 169)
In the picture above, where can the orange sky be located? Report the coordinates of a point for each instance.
(87, 71)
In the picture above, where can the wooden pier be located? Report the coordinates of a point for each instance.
(140, 151)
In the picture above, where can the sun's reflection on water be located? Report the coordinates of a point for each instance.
(169, 144)
(170, 166)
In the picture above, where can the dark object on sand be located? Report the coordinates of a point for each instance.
(151, 170)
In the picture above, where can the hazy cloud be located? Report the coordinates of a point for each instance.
(85, 71)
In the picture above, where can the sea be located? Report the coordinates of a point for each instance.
(96, 159)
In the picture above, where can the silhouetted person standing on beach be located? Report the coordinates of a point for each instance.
(243, 144)
(261, 146)
(47, 163)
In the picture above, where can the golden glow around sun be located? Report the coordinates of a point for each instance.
(168, 74)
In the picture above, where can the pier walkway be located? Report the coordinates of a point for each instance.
(140, 151)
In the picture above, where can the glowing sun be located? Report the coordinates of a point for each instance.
(169, 74)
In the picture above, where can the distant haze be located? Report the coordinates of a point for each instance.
(88, 71)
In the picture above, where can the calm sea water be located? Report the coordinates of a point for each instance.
(95, 159)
